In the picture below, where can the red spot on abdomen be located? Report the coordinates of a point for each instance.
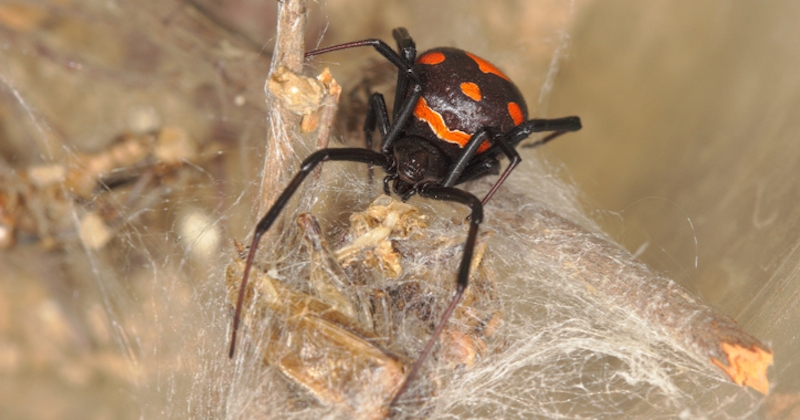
(516, 113)
(486, 66)
(431, 58)
(472, 90)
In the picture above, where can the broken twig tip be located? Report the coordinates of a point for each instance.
(746, 366)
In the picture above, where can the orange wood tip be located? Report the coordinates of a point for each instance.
(746, 366)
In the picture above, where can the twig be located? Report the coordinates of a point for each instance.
(614, 275)
(283, 124)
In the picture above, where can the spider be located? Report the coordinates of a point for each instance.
(454, 114)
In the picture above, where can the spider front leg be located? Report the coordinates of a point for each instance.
(352, 155)
(408, 51)
(462, 279)
(383, 48)
(409, 85)
(403, 113)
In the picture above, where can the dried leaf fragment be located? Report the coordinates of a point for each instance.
(372, 229)
(299, 94)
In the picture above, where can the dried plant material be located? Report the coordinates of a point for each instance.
(371, 230)
(323, 117)
(47, 174)
(93, 231)
(39, 201)
(86, 171)
(198, 234)
(326, 277)
(319, 348)
(392, 248)
(460, 349)
(162, 151)
(327, 111)
(309, 123)
(284, 123)
(299, 94)
(355, 312)
(173, 145)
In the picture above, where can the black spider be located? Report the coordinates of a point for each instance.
(454, 114)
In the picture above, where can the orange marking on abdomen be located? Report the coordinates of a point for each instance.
(487, 67)
(472, 90)
(516, 113)
(436, 123)
(431, 58)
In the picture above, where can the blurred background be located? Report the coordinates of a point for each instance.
(690, 139)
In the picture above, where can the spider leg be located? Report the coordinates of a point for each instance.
(475, 219)
(559, 125)
(468, 153)
(479, 167)
(408, 50)
(383, 48)
(376, 115)
(467, 168)
(514, 160)
(308, 165)
(405, 45)
(409, 87)
(404, 111)
(507, 142)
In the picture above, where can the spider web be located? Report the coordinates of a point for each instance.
(117, 294)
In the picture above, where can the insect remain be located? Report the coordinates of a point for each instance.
(454, 115)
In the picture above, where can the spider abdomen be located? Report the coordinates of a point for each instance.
(461, 94)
